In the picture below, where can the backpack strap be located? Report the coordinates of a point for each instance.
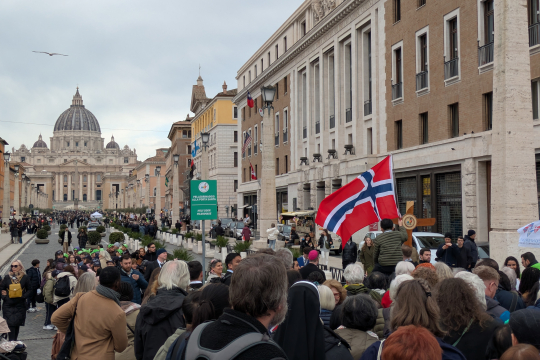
(379, 353)
(514, 301)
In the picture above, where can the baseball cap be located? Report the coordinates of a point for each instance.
(59, 252)
(313, 255)
(160, 251)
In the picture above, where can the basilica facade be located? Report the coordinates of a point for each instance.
(77, 166)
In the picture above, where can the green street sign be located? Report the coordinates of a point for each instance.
(203, 199)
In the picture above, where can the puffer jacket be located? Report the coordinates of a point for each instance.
(358, 340)
(325, 316)
(379, 325)
(350, 252)
(355, 289)
(14, 310)
(48, 290)
(335, 347)
(388, 247)
(72, 283)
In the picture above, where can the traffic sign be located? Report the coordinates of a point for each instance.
(203, 199)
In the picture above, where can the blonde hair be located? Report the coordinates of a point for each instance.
(326, 298)
(443, 271)
(20, 265)
(337, 285)
(174, 274)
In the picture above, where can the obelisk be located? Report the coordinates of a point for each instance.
(514, 200)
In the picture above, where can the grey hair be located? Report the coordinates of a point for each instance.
(476, 284)
(354, 273)
(443, 271)
(86, 283)
(511, 275)
(404, 267)
(286, 257)
(394, 285)
(326, 297)
(174, 274)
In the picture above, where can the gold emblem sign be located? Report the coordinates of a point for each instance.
(409, 221)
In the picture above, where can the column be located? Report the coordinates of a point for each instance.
(81, 187)
(16, 200)
(268, 207)
(158, 196)
(70, 178)
(513, 198)
(5, 200)
(175, 207)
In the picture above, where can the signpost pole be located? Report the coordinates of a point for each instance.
(203, 250)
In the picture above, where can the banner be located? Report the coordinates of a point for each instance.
(529, 236)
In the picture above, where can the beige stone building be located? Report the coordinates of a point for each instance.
(78, 165)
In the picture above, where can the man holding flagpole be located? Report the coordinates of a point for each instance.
(388, 246)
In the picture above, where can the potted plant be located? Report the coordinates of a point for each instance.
(63, 226)
(94, 238)
(101, 229)
(47, 228)
(221, 242)
(116, 237)
(41, 237)
(180, 254)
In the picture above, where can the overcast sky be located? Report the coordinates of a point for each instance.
(135, 61)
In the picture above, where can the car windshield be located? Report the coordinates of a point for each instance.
(432, 242)
(483, 252)
(239, 225)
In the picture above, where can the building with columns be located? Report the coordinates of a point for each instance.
(78, 166)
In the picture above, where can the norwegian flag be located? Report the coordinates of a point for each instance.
(253, 174)
(365, 200)
(247, 142)
(250, 101)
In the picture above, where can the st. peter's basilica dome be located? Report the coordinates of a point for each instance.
(77, 117)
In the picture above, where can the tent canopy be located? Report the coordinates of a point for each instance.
(96, 215)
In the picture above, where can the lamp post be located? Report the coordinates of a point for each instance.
(176, 196)
(147, 195)
(16, 200)
(28, 194)
(158, 191)
(205, 137)
(5, 200)
(23, 189)
(268, 176)
(139, 193)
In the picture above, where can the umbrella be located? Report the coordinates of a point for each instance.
(96, 215)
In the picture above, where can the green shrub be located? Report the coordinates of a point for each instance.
(100, 229)
(296, 253)
(46, 228)
(116, 237)
(94, 238)
(221, 242)
(198, 237)
(188, 235)
(242, 246)
(63, 226)
(42, 234)
(174, 231)
(159, 244)
(83, 227)
(164, 228)
(180, 254)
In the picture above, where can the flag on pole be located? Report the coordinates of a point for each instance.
(250, 102)
(253, 174)
(365, 200)
(195, 149)
(247, 142)
(166, 181)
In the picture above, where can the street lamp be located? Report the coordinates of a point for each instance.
(147, 195)
(176, 157)
(176, 196)
(205, 137)
(5, 200)
(268, 93)
(157, 200)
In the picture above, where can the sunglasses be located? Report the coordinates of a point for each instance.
(14, 266)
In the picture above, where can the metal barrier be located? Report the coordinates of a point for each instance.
(337, 273)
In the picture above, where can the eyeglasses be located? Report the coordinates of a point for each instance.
(14, 266)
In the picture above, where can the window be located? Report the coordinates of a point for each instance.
(155, 191)
(488, 110)
(255, 107)
(285, 86)
(535, 100)
(68, 144)
(255, 70)
(285, 44)
(256, 172)
(286, 164)
(255, 139)
(39, 161)
(23, 159)
(85, 179)
(397, 10)
(243, 141)
(369, 136)
(244, 80)
(126, 160)
(421, 3)
(85, 144)
(98, 177)
(424, 128)
(399, 134)
(277, 129)
(249, 147)
(188, 149)
(304, 104)
(269, 61)
(489, 21)
(249, 76)
(277, 52)
(65, 160)
(262, 65)
(243, 114)
(423, 52)
(76, 144)
(235, 154)
(533, 8)
(453, 112)
(235, 185)
(235, 136)
(451, 47)
(285, 125)
(397, 72)
(65, 178)
(453, 36)
(235, 112)
(277, 166)
(244, 175)
(348, 82)
(368, 109)
(277, 91)
(303, 28)
(331, 92)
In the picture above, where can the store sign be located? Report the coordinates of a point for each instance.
(204, 200)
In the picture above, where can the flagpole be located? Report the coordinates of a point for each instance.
(394, 183)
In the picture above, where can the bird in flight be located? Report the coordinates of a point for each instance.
(50, 54)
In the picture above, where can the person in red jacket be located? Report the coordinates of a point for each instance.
(246, 233)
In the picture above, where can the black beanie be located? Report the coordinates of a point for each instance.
(525, 325)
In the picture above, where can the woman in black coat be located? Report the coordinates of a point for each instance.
(14, 309)
(83, 238)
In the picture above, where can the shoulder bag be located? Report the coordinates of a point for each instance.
(69, 342)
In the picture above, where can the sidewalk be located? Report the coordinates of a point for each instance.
(8, 250)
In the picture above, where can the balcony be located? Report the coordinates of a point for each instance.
(367, 107)
(534, 34)
(317, 127)
(332, 121)
(451, 69)
(304, 132)
(285, 135)
(485, 54)
(348, 115)
(277, 139)
(397, 91)
(422, 80)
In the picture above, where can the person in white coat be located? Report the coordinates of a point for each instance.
(272, 236)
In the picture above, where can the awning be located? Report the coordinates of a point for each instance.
(243, 206)
(300, 213)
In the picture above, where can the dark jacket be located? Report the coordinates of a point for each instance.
(449, 352)
(325, 316)
(219, 230)
(449, 256)
(473, 248)
(308, 269)
(150, 267)
(69, 238)
(366, 258)
(506, 298)
(138, 285)
(494, 309)
(464, 257)
(474, 342)
(232, 325)
(227, 278)
(34, 276)
(83, 239)
(329, 241)
(14, 310)
(150, 256)
(335, 347)
(388, 247)
(350, 252)
(157, 320)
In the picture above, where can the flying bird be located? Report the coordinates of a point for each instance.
(50, 54)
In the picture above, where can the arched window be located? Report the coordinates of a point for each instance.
(84, 178)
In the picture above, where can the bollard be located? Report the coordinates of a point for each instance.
(190, 244)
(209, 253)
(243, 254)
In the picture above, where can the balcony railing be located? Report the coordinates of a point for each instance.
(451, 68)
(304, 132)
(367, 107)
(285, 135)
(277, 139)
(534, 34)
(317, 127)
(422, 80)
(348, 115)
(485, 54)
(397, 91)
(332, 121)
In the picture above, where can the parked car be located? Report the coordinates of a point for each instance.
(420, 240)
(225, 222)
(92, 225)
(235, 230)
(284, 232)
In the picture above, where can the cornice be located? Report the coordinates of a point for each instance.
(320, 29)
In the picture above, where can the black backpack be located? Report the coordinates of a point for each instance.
(62, 287)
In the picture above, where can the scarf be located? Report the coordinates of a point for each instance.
(108, 293)
(18, 275)
(129, 307)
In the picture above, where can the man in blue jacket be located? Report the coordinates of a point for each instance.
(135, 278)
(448, 252)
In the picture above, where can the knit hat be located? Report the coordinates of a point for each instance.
(313, 255)
(160, 251)
(448, 235)
(525, 325)
(471, 233)
(117, 244)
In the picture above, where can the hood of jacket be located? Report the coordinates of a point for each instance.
(491, 303)
(356, 289)
(164, 304)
